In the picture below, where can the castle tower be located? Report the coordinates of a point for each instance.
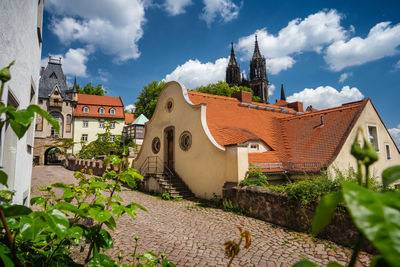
(258, 75)
(283, 97)
(233, 70)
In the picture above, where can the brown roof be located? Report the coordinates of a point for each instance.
(95, 102)
(129, 118)
(298, 141)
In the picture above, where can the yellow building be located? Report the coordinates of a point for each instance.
(199, 142)
(92, 113)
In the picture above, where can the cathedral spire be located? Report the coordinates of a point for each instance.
(232, 58)
(75, 88)
(233, 70)
(283, 97)
(256, 53)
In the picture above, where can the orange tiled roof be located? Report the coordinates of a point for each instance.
(129, 118)
(293, 137)
(95, 102)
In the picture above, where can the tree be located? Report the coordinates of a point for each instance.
(223, 89)
(147, 100)
(89, 89)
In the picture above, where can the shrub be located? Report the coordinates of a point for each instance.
(254, 176)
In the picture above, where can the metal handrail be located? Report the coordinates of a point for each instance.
(289, 165)
(154, 165)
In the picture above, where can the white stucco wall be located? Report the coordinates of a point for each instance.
(19, 41)
(206, 166)
(345, 160)
(92, 130)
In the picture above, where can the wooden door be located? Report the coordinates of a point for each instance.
(170, 148)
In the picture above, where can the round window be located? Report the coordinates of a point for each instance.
(185, 141)
(156, 145)
(170, 105)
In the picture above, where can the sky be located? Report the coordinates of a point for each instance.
(326, 53)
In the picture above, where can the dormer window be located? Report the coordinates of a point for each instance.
(112, 111)
(53, 76)
(101, 110)
(85, 110)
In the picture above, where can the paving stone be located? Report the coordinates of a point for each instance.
(191, 235)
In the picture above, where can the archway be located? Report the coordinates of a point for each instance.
(52, 156)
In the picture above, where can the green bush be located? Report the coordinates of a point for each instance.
(254, 176)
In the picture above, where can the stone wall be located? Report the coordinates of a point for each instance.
(273, 207)
(96, 167)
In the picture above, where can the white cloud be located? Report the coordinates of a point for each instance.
(397, 66)
(225, 9)
(382, 40)
(271, 89)
(73, 62)
(310, 34)
(326, 96)
(130, 108)
(395, 133)
(176, 7)
(193, 73)
(344, 76)
(103, 75)
(114, 27)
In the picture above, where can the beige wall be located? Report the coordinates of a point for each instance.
(92, 130)
(206, 166)
(345, 160)
(65, 110)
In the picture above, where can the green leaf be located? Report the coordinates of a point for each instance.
(3, 178)
(76, 233)
(18, 128)
(68, 207)
(5, 75)
(304, 263)
(99, 215)
(377, 215)
(30, 228)
(334, 264)
(110, 223)
(379, 261)
(325, 209)
(16, 211)
(60, 185)
(58, 222)
(104, 240)
(5, 256)
(37, 200)
(390, 175)
(20, 120)
(45, 115)
(117, 209)
(101, 260)
(115, 161)
(117, 197)
(68, 193)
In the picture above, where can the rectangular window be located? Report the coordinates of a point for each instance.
(388, 156)
(373, 137)
(112, 138)
(101, 137)
(101, 124)
(139, 132)
(85, 124)
(112, 124)
(254, 146)
(84, 138)
(40, 101)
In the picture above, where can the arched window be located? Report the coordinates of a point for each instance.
(68, 126)
(101, 110)
(85, 110)
(112, 111)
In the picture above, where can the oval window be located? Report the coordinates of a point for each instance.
(156, 145)
(185, 141)
(169, 106)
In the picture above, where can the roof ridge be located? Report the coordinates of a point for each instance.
(310, 114)
(214, 96)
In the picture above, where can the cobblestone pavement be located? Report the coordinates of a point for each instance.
(191, 235)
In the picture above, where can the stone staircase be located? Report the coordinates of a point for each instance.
(168, 179)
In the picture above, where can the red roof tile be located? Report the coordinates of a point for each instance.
(129, 118)
(95, 102)
(297, 140)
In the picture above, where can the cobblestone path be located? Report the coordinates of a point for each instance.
(191, 235)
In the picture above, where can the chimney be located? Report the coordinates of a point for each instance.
(42, 71)
(243, 96)
(298, 106)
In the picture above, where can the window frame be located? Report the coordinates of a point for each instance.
(83, 139)
(85, 110)
(112, 124)
(112, 111)
(112, 138)
(101, 124)
(378, 148)
(85, 124)
(388, 152)
(101, 111)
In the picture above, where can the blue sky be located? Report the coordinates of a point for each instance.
(324, 52)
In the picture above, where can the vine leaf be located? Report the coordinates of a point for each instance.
(325, 209)
(377, 215)
(3, 178)
(390, 175)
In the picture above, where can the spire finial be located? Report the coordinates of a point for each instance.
(256, 37)
(283, 97)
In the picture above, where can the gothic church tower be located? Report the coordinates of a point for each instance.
(233, 70)
(258, 75)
